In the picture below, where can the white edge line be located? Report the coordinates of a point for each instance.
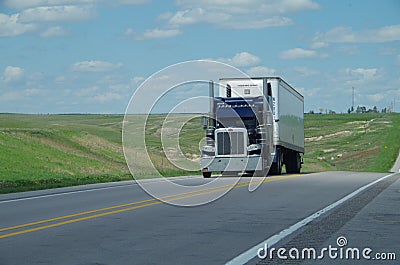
(63, 193)
(252, 252)
(92, 189)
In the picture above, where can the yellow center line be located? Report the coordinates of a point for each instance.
(103, 209)
(76, 220)
(71, 215)
(104, 214)
(145, 203)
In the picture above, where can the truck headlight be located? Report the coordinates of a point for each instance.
(208, 149)
(254, 147)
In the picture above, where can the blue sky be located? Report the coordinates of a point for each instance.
(89, 56)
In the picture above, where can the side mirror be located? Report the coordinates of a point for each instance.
(204, 122)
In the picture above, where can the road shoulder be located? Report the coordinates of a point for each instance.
(370, 219)
(396, 166)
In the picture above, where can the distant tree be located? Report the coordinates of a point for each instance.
(375, 109)
(383, 110)
(311, 112)
(349, 111)
(321, 110)
(363, 109)
(352, 108)
(358, 109)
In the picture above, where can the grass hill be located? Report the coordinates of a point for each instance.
(46, 151)
(356, 142)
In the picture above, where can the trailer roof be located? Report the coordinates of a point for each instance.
(265, 77)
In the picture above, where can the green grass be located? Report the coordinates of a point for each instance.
(46, 151)
(189, 137)
(355, 142)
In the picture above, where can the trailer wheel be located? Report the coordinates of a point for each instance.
(293, 163)
(207, 175)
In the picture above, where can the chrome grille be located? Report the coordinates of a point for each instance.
(230, 143)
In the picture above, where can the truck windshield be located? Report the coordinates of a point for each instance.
(249, 123)
(236, 117)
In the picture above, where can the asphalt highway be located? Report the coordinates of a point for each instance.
(119, 223)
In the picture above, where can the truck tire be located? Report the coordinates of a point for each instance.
(207, 175)
(293, 163)
(276, 167)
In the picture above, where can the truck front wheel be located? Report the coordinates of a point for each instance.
(276, 167)
(207, 175)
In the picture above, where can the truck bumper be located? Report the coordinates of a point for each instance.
(231, 164)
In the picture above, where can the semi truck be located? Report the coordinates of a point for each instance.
(255, 126)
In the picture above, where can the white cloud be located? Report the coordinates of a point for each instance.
(10, 96)
(375, 97)
(367, 79)
(252, 6)
(56, 31)
(241, 59)
(119, 88)
(237, 14)
(260, 71)
(291, 6)
(299, 53)
(137, 79)
(305, 71)
(13, 73)
(59, 79)
(57, 13)
(33, 91)
(133, 2)
(106, 97)
(11, 26)
(258, 23)
(24, 4)
(319, 45)
(129, 32)
(97, 95)
(154, 34)
(350, 50)
(197, 15)
(364, 73)
(88, 91)
(311, 91)
(225, 20)
(347, 35)
(95, 66)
